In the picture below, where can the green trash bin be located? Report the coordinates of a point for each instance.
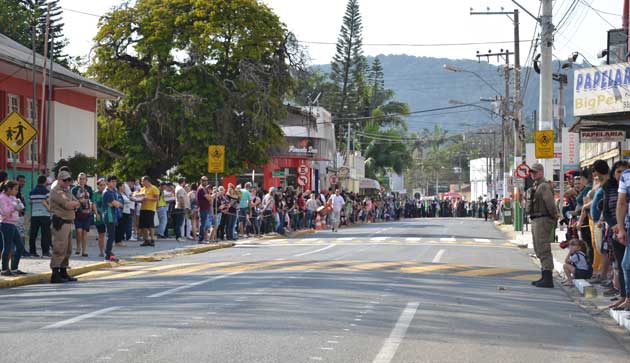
(507, 213)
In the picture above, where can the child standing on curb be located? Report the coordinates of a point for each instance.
(576, 265)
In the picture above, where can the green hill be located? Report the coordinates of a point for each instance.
(424, 84)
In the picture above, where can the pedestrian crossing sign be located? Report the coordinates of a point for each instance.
(16, 132)
(544, 144)
(216, 158)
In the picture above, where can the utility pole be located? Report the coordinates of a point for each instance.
(505, 115)
(519, 139)
(545, 121)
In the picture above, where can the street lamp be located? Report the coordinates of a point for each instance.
(458, 102)
(452, 68)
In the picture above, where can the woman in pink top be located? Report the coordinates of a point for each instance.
(10, 206)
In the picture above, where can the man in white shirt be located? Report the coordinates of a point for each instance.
(337, 202)
(181, 201)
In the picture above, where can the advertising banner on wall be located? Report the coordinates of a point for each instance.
(601, 90)
(603, 136)
(570, 149)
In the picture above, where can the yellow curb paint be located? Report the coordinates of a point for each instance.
(430, 268)
(485, 272)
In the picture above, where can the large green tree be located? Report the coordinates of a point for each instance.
(348, 68)
(194, 73)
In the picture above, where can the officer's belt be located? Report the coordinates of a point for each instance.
(534, 216)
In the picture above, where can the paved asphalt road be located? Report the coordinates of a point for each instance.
(437, 290)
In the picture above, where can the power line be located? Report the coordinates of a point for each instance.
(369, 118)
(415, 44)
(566, 15)
(84, 13)
(598, 13)
(601, 11)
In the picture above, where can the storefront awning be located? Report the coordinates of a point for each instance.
(618, 121)
(367, 183)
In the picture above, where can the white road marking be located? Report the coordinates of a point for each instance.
(193, 284)
(332, 342)
(247, 254)
(316, 358)
(319, 250)
(481, 240)
(346, 238)
(413, 239)
(327, 348)
(387, 352)
(438, 256)
(447, 239)
(79, 318)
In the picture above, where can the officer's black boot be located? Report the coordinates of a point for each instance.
(547, 280)
(539, 280)
(64, 274)
(56, 277)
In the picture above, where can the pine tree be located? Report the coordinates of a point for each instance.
(56, 41)
(348, 67)
(376, 82)
(18, 17)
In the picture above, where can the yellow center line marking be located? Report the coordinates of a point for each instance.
(195, 268)
(92, 274)
(121, 275)
(486, 272)
(317, 265)
(252, 266)
(375, 265)
(168, 267)
(430, 268)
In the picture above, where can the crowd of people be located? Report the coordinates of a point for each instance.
(451, 207)
(595, 211)
(143, 210)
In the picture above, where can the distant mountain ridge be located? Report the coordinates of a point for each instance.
(424, 84)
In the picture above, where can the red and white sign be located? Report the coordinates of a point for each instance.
(333, 179)
(603, 136)
(302, 180)
(303, 170)
(522, 171)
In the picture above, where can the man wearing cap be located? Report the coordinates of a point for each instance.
(62, 206)
(544, 215)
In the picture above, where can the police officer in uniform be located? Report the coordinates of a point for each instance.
(543, 213)
(62, 206)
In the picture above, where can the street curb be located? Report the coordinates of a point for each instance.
(45, 276)
(158, 256)
(300, 233)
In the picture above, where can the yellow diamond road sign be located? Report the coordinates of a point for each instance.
(16, 132)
